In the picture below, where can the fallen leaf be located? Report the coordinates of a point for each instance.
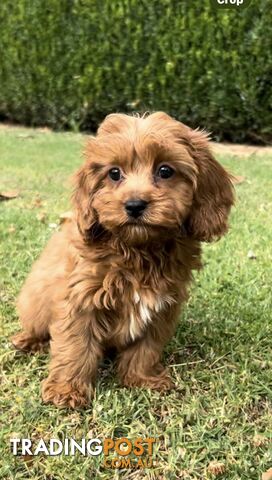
(184, 474)
(36, 202)
(41, 217)
(216, 468)
(259, 441)
(8, 195)
(267, 475)
(237, 179)
(251, 255)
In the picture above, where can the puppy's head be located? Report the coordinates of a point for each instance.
(146, 178)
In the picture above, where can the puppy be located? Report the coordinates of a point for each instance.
(117, 273)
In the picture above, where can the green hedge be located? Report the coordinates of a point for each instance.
(67, 63)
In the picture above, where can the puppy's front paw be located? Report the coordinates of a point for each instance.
(65, 394)
(161, 382)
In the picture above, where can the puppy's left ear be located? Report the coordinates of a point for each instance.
(213, 197)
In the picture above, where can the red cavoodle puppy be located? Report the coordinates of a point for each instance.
(117, 273)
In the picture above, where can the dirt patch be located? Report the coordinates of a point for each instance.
(218, 148)
(239, 150)
(10, 126)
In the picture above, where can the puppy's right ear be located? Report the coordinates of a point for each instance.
(84, 192)
(82, 201)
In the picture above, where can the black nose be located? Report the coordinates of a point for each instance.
(135, 208)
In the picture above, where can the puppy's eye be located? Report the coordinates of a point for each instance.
(115, 174)
(165, 171)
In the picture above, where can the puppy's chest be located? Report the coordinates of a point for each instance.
(132, 299)
(145, 307)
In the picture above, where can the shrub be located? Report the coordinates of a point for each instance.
(67, 63)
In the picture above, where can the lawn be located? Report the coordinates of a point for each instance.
(219, 417)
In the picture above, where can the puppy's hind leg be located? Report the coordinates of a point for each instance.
(26, 342)
(35, 315)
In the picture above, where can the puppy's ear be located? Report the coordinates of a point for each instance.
(213, 196)
(82, 199)
(115, 123)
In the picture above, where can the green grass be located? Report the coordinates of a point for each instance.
(220, 357)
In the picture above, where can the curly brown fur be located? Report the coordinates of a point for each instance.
(112, 280)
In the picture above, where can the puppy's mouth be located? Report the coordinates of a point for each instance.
(136, 232)
(144, 230)
(139, 222)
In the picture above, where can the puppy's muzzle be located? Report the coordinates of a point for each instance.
(135, 208)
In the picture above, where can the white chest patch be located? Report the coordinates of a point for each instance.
(142, 312)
